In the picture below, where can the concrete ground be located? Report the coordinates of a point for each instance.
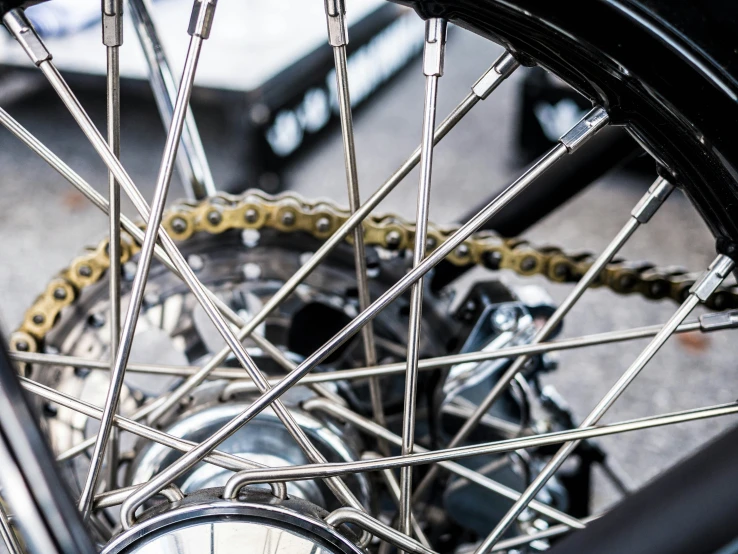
(44, 223)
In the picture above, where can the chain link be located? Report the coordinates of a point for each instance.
(290, 213)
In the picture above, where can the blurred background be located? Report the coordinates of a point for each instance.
(262, 106)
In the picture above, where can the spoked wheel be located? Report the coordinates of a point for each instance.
(270, 372)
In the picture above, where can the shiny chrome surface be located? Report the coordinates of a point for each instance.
(204, 524)
(265, 441)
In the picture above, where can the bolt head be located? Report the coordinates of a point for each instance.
(505, 319)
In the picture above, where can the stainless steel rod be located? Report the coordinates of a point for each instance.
(297, 473)
(376, 430)
(142, 272)
(112, 14)
(435, 39)
(7, 534)
(376, 528)
(220, 459)
(393, 486)
(352, 181)
(240, 386)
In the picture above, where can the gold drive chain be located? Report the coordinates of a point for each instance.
(289, 212)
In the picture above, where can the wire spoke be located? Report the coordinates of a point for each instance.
(642, 213)
(335, 11)
(112, 15)
(701, 291)
(380, 432)
(203, 18)
(192, 163)
(707, 323)
(296, 473)
(394, 489)
(433, 58)
(220, 459)
(7, 534)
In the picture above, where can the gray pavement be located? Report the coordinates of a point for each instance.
(44, 224)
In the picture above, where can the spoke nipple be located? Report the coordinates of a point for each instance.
(657, 193)
(201, 20)
(435, 47)
(587, 126)
(22, 29)
(718, 270)
(498, 72)
(335, 12)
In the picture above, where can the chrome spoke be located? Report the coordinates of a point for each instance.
(592, 122)
(192, 164)
(500, 70)
(335, 12)
(700, 292)
(112, 19)
(433, 58)
(707, 323)
(220, 459)
(642, 213)
(393, 487)
(380, 432)
(296, 473)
